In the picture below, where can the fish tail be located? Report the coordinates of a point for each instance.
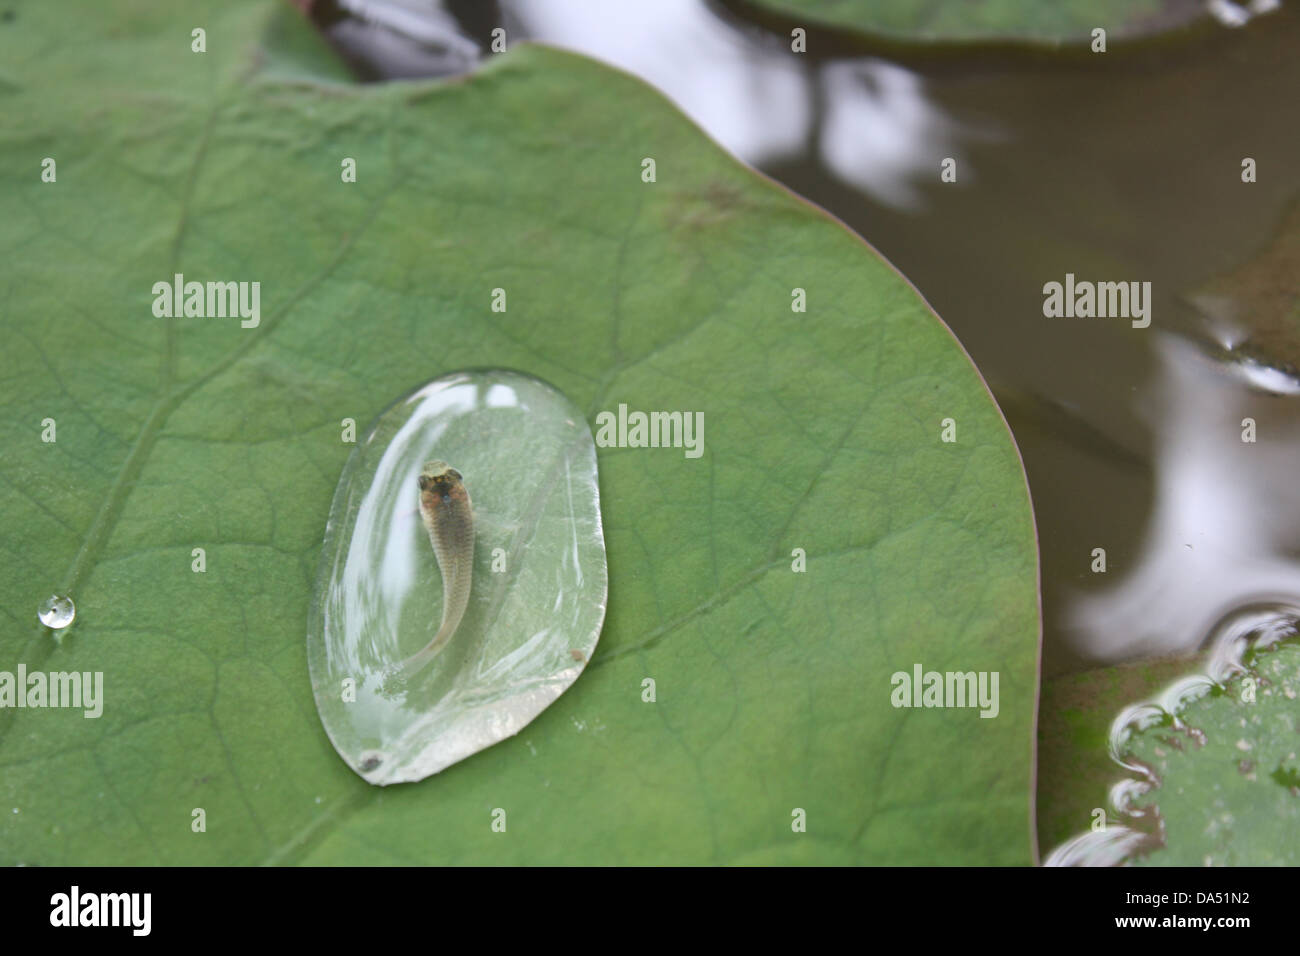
(417, 661)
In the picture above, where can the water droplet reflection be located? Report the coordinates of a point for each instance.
(57, 611)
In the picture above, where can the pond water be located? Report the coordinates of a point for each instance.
(1117, 167)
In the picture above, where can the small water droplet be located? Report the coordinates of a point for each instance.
(528, 463)
(57, 611)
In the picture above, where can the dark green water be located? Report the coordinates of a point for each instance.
(1123, 166)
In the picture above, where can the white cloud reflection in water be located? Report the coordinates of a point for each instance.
(1225, 521)
(877, 132)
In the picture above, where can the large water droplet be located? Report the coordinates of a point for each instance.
(57, 611)
(537, 594)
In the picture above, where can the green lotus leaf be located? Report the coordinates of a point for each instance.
(768, 733)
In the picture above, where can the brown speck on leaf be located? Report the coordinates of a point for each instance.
(708, 205)
(578, 656)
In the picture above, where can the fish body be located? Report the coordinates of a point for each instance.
(449, 518)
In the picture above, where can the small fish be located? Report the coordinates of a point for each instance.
(449, 519)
